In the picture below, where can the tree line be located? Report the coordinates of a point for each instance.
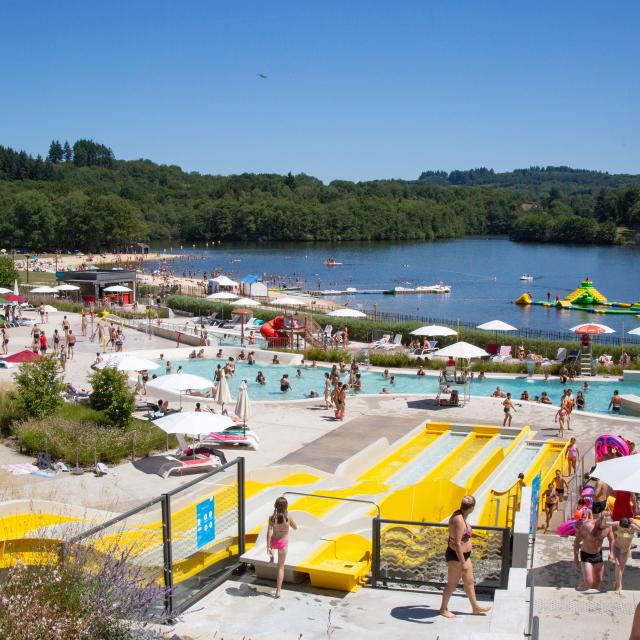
(81, 197)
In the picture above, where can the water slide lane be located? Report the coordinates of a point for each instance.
(342, 561)
(375, 481)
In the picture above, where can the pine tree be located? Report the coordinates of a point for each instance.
(56, 153)
(68, 152)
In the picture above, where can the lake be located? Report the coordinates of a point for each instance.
(483, 272)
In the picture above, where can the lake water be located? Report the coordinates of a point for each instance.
(483, 273)
(373, 382)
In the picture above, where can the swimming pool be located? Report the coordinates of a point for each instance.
(597, 396)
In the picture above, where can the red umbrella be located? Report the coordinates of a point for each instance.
(12, 297)
(591, 328)
(22, 356)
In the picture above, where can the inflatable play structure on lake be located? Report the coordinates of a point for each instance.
(585, 298)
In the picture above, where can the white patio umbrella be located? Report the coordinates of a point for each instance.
(43, 290)
(290, 302)
(245, 302)
(3, 290)
(496, 325)
(243, 408)
(222, 295)
(634, 332)
(179, 382)
(461, 350)
(621, 474)
(193, 423)
(49, 309)
(67, 287)
(346, 313)
(222, 395)
(127, 362)
(434, 330)
(16, 291)
(117, 288)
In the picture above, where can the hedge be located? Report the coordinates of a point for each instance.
(363, 330)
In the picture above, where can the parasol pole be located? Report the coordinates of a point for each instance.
(622, 339)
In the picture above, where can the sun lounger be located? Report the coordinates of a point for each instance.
(188, 464)
(561, 356)
(503, 354)
(394, 344)
(379, 344)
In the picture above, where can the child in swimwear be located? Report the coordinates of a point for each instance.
(582, 512)
(561, 416)
(278, 537)
(550, 504)
(572, 456)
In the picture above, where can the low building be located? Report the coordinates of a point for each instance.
(93, 284)
(253, 287)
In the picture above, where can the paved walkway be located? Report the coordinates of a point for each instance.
(328, 451)
(567, 614)
(245, 608)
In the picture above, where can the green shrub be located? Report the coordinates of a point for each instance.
(9, 412)
(62, 436)
(110, 395)
(76, 307)
(330, 355)
(365, 330)
(39, 386)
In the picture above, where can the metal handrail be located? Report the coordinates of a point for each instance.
(316, 495)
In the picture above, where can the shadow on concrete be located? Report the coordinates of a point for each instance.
(410, 613)
(247, 591)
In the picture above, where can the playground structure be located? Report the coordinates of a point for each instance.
(421, 477)
(291, 331)
(585, 298)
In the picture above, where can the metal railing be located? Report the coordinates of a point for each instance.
(316, 495)
(409, 552)
(187, 551)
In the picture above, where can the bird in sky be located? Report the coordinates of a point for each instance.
(261, 75)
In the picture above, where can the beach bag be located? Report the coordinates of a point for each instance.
(43, 460)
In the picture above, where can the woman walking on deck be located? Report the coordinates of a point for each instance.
(458, 557)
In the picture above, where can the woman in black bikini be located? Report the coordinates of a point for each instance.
(458, 557)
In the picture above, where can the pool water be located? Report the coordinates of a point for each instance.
(597, 396)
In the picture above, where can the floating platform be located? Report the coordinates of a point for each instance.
(437, 289)
(585, 298)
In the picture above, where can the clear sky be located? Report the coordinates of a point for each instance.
(355, 89)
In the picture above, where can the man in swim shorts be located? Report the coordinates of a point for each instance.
(600, 495)
(588, 543)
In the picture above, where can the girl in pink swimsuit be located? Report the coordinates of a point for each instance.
(278, 537)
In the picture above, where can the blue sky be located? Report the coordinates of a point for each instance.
(355, 90)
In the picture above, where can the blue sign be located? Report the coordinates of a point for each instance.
(205, 523)
(535, 505)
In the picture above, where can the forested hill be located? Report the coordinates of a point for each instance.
(534, 181)
(81, 197)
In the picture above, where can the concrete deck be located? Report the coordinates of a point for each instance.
(246, 608)
(567, 614)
